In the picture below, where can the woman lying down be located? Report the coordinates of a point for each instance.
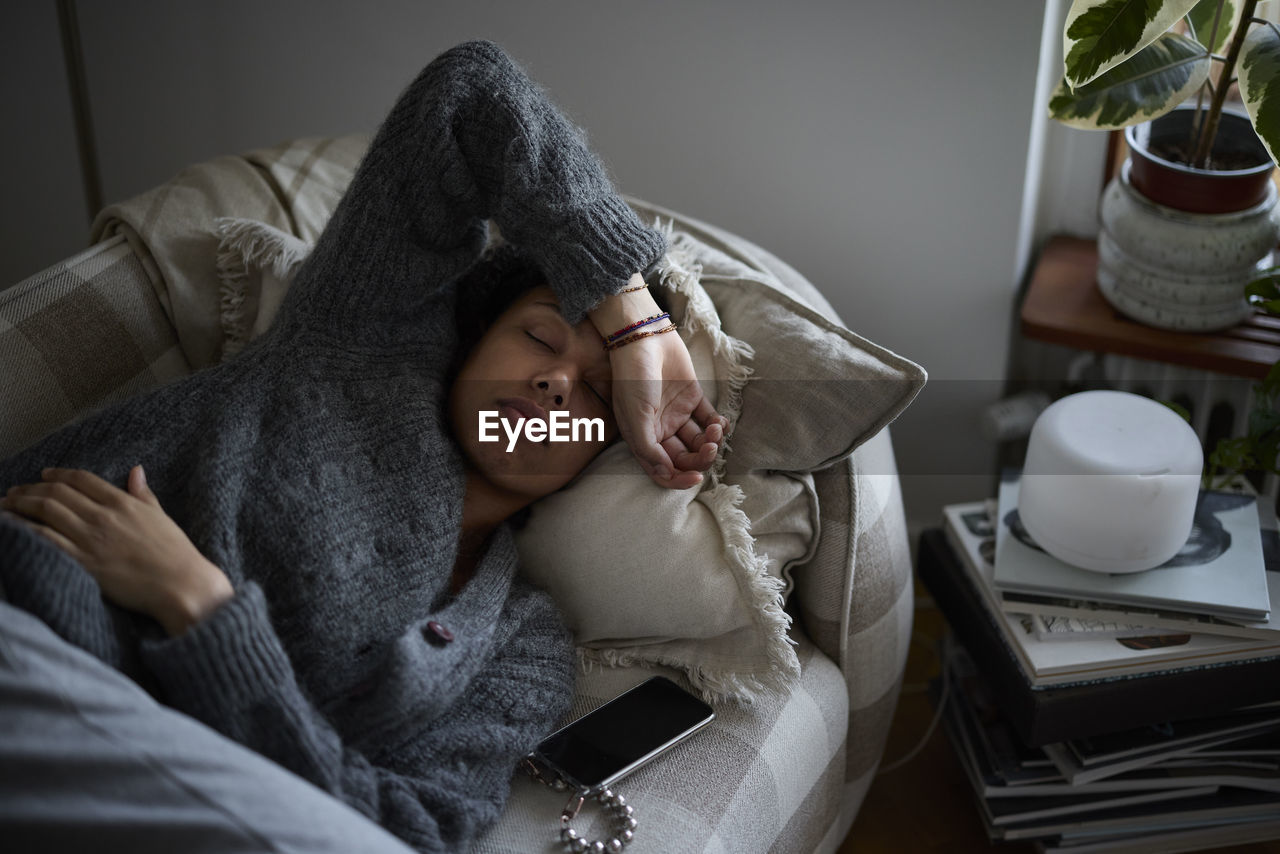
(305, 548)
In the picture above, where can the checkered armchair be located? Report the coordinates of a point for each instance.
(785, 773)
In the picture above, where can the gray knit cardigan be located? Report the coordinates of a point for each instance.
(317, 470)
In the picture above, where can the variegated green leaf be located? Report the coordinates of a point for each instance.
(1259, 76)
(1264, 293)
(1202, 18)
(1100, 34)
(1158, 78)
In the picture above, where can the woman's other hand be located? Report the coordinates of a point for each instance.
(139, 557)
(662, 412)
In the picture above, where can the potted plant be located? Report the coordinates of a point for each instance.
(1256, 454)
(1191, 218)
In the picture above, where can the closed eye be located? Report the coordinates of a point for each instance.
(540, 341)
(600, 397)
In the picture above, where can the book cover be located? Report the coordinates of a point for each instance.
(1212, 835)
(1090, 613)
(1210, 820)
(1084, 615)
(1052, 627)
(1177, 763)
(1220, 571)
(1246, 723)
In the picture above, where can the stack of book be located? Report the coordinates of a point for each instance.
(1114, 712)
(1210, 604)
(1179, 786)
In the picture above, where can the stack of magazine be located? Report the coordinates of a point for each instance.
(1210, 604)
(1211, 779)
(1174, 787)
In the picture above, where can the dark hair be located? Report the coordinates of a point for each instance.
(497, 279)
(488, 288)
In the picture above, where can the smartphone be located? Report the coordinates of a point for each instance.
(605, 745)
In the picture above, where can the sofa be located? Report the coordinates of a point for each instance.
(806, 680)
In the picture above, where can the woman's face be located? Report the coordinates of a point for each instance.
(530, 364)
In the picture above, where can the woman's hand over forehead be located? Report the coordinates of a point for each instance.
(662, 412)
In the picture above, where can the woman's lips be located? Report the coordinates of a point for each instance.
(520, 407)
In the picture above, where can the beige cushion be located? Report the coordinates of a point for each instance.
(817, 390)
(171, 227)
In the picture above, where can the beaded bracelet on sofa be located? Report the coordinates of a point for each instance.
(620, 812)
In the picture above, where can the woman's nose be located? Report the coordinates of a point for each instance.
(554, 388)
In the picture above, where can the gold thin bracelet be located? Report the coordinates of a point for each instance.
(638, 335)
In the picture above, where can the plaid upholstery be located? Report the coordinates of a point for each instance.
(77, 336)
(763, 778)
(861, 618)
(172, 228)
(787, 773)
(854, 597)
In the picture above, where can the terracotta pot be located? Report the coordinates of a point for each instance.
(1178, 244)
(1183, 188)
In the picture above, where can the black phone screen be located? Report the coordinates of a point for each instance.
(625, 732)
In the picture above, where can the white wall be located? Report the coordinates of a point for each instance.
(43, 213)
(879, 148)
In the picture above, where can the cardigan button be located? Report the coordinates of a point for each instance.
(435, 631)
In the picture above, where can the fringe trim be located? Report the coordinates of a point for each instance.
(244, 243)
(679, 271)
(763, 594)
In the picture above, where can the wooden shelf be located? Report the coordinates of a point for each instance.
(1064, 306)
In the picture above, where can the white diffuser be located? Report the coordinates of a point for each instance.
(1110, 481)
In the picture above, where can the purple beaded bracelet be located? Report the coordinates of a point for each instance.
(633, 327)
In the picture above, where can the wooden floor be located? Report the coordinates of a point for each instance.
(927, 804)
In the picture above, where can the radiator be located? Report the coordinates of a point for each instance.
(1219, 405)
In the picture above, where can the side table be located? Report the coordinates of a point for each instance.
(1064, 306)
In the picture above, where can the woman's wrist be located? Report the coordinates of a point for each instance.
(623, 309)
(206, 591)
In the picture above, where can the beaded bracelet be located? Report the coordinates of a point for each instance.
(615, 805)
(634, 289)
(621, 332)
(619, 811)
(636, 336)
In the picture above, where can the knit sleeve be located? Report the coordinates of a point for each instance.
(471, 139)
(41, 578)
(436, 783)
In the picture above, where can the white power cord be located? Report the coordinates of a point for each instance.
(933, 725)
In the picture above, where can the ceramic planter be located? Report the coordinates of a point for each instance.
(1179, 244)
